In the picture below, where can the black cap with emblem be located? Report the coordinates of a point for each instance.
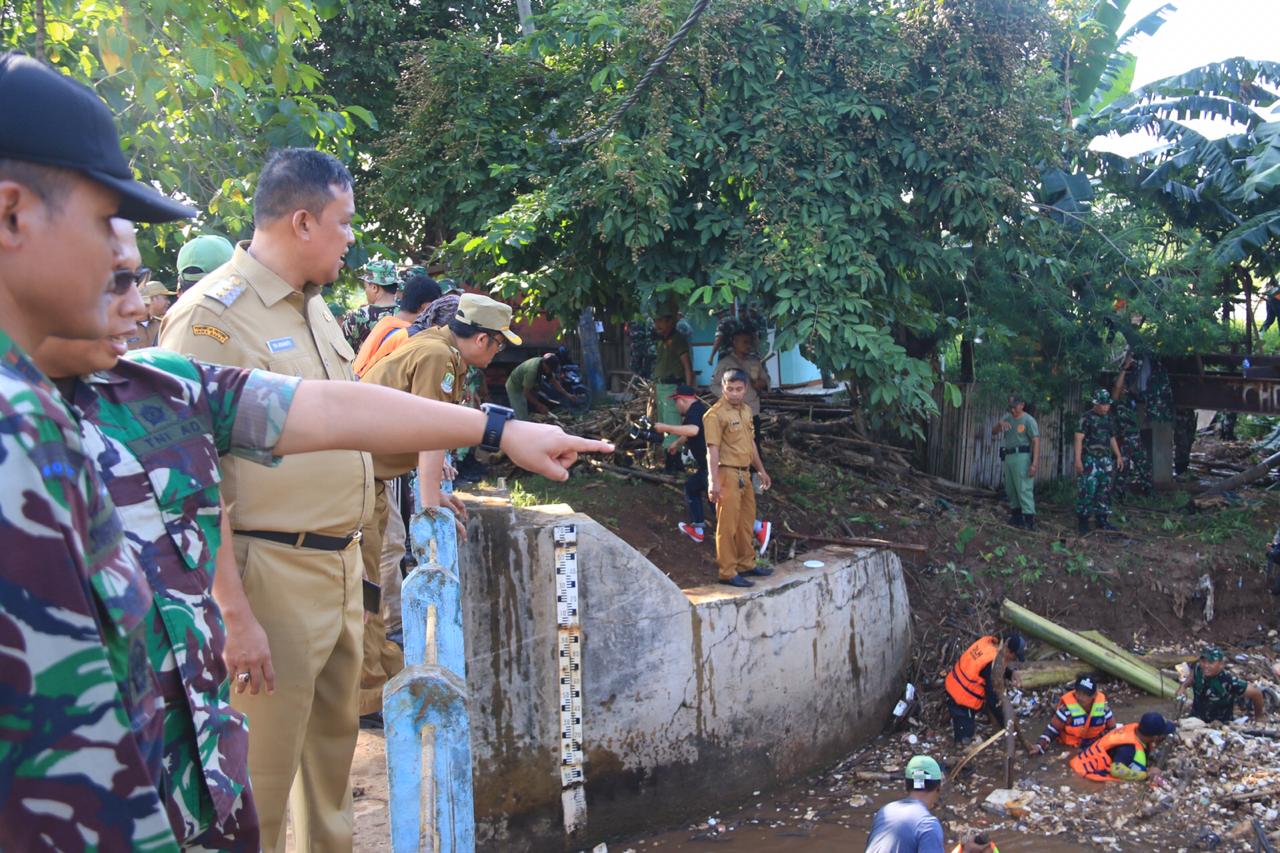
(51, 120)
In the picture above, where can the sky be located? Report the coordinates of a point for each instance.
(1196, 33)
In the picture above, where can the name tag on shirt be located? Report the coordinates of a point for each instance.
(280, 344)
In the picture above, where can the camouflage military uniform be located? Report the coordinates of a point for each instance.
(358, 322)
(1159, 395)
(1136, 475)
(1215, 698)
(81, 719)
(156, 426)
(1092, 496)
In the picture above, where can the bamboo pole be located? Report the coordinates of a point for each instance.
(853, 542)
(955, 771)
(1087, 650)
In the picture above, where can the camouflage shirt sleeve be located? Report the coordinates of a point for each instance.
(249, 409)
(72, 776)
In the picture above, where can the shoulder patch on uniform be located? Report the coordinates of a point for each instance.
(210, 332)
(446, 384)
(227, 290)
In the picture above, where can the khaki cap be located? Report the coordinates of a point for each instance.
(155, 288)
(485, 313)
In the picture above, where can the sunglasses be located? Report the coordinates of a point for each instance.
(122, 280)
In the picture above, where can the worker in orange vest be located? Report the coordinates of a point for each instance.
(969, 684)
(1081, 718)
(1123, 754)
(978, 842)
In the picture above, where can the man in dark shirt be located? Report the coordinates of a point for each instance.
(689, 433)
(1215, 692)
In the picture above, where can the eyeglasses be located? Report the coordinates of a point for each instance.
(499, 339)
(122, 280)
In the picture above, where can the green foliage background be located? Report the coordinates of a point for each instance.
(891, 181)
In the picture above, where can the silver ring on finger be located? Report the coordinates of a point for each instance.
(242, 677)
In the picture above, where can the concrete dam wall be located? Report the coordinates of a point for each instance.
(691, 699)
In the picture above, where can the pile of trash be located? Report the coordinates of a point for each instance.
(1219, 787)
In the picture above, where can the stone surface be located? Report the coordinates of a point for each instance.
(1008, 802)
(691, 698)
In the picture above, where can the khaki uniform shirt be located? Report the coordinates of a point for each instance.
(430, 366)
(752, 366)
(148, 332)
(730, 428)
(244, 315)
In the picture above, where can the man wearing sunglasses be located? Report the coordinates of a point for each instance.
(80, 708)
(433, 364)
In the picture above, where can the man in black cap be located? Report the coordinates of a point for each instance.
(971, 682)
(1082, 716)
(1124, 754)
(81, 713)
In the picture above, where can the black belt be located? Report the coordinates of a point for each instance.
(315, 541)
(736, 467)
(671, 380)
(1026, 448)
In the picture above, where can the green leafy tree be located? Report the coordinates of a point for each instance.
(201, 91)
(834, 163)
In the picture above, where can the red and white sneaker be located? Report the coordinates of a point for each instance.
(763, 534)
(692, 532)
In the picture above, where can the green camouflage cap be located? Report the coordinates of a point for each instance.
(202, 255)
(1212, 653)
(921, 769)
(381, 273)
(1101, 397)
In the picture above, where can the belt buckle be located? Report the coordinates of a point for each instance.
(302, 537)
(355, 539)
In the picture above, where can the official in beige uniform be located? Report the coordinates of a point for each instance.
(297, 525)
(433, 364)
(731, 456)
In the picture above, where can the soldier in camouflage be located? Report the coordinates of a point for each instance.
(81, 717)
(158, 423)
(1135, 476)
(1097, 456)
(157, 426)
(381, 286)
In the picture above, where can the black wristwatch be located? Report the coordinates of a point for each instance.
(493, 427)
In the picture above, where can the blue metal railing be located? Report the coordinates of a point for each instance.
(427, 725)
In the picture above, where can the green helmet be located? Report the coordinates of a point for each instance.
(416, 269)
(381, 273)
(921, 769)
(1102, 397)
(202, 255)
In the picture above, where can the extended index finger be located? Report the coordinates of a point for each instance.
(578, 444)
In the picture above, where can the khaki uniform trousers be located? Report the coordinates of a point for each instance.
(735, 517)
(382, 658)
(392, 552)
(302, 737)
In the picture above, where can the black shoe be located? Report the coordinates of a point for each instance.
(1029, 522)
(739, 580)
(1083, 526)
(1015, 518)
(758, 572)
(1103, 524)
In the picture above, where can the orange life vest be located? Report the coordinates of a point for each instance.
(1094, 763)
(1084, 724)
(965, 683)
(995, 848)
